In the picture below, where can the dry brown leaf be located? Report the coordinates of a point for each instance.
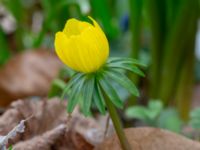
(20, 128)
(44, 127)
(28, 74)
(151, 139)
(44, 141)
(50, 128)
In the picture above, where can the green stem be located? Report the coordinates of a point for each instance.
(135, 27)
(186, 78)
(105, 16)
(184, 88)
(117, 124)
(174, 46)
(155, 11)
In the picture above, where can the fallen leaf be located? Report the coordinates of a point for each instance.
(51, 126)
(28, 74)
(146, 138)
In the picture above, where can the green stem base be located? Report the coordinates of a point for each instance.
(117, 124)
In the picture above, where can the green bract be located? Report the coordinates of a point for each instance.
(93, 87)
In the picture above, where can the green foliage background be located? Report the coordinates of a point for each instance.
(159, 33)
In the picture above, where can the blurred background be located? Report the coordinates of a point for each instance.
(165, 35)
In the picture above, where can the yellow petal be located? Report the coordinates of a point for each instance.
(95, 49)
(67, 50)
(61, 44)
(82, 46)
(75, 27)
(77, 55)
(102, 37)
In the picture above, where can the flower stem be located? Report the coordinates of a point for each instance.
(117, 124)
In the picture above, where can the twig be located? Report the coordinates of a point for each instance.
(17, 129)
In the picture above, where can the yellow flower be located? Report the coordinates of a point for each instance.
(82, 46)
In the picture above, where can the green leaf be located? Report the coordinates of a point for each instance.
(195, 123)
(134, 69)
(195, 113)
(121, 60)
(98, 99)
(4, 52)
(124, 81)
(169, 119)
(154, 109)
(15, 7)
(76, 78)
(75, 95)
(105, 16)
(110, 92)
(128, 67)
(88, 89)
(137, 112)
(10, 148)
(195, 118)
(148, 114)
(56, 88)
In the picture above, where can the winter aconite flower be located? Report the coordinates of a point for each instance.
(82, 46)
